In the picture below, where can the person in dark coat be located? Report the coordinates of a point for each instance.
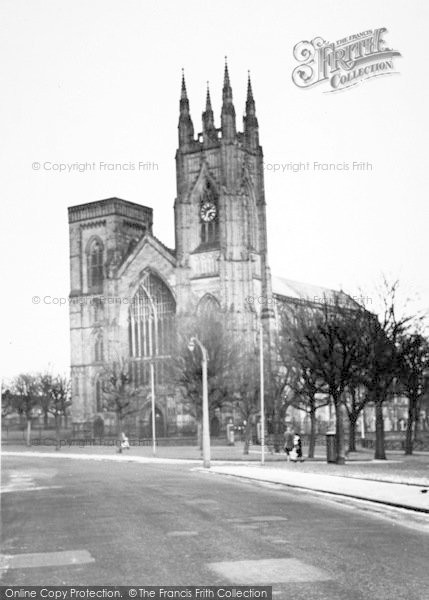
(288, 441)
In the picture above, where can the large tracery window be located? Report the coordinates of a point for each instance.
(95, 266)
(151, 329)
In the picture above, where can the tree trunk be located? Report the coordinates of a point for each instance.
(57, 432)
(339, 431)
(409, 432)
(28, 434)
(276, 426)
(416, 421)
(312, 440)
(352, 432)
(380, 451)
(119, 434)
(247, 437)
(45, 419)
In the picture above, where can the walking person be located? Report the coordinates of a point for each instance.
(288, 441)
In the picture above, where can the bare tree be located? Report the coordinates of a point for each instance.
(119, 394)
(309, 396)
(284, 372)
(325, 341)
(56, 394)
(26, 394)
(414, 366)
(247, 390)
(45, 396)
(381, 337)
(215, 330)
(7, 402)
(355, 400)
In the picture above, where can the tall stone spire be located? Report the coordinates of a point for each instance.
(209, 130)
(228, 111)
(250, 122)
(186, 127)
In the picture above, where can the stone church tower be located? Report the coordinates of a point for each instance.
(220, 217)
(127, 288)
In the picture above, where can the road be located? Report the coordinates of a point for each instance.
(104, 523)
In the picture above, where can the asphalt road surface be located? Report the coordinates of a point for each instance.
(75, 522)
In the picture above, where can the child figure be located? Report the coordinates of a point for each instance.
(125, 444)
(296, 453)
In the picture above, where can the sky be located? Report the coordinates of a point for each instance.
(99, 82)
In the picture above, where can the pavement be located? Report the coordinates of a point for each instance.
(401, 495)
(110, 522)
(387, 483)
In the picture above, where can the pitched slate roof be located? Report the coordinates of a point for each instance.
(288, 288)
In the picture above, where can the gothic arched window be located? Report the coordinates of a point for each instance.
(253, 225)
(209, 217)
(99, 396)
(99, 347)
(208, 305)
(151, 329)
(95, 266)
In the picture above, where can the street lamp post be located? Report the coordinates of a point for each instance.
(153, 317)
(152, 396)
(206, 430)
(262, 392)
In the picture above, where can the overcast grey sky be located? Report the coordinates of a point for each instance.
(99, 81)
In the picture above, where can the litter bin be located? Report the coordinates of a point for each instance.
(230, 434)
(331, 451)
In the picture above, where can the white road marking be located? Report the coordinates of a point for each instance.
(182, 533)
(268, 518)
(23, 481)
(201, 502)
(268, 571)
(8, 489)
(258, 519)
(45, 559)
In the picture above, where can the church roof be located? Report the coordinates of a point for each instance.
(170, 250)
(297, 290)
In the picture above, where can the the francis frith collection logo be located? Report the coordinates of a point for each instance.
(344, 63)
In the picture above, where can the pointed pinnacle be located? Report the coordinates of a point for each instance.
(249, 87)
(208, 99)
(183, 95)
(226, 82)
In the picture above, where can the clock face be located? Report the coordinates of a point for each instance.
(208, 211)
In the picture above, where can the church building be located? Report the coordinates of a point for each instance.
(128, 289)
